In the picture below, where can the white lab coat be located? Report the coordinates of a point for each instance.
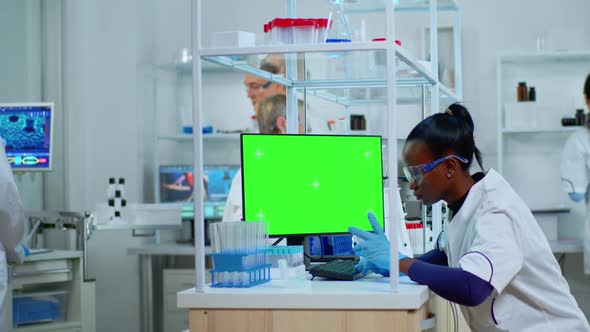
(575, 174)
(12, 221)
(495, 236)
(233, 205)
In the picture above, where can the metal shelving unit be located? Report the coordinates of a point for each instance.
(421, 77)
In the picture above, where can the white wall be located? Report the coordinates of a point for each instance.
(20, 65)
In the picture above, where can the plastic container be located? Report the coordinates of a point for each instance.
(322, 25)
(284, 30)
(40, 307)
(293, 255)
(240, 270)
(304, 31)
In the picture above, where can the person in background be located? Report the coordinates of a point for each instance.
(492, 258)
(272, 120)
(575, 171)
(12, 222)
(258, 88)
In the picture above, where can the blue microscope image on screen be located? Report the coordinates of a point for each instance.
(25, 131)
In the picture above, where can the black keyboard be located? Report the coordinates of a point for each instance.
(337, 269)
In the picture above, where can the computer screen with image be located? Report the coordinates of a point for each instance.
(26, 131)
(176, 185)
(311, 184)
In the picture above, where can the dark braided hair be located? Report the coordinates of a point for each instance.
(451, 131)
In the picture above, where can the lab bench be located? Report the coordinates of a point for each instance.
(367, 304)
(56, 278)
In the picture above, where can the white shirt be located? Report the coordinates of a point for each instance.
(495, 236)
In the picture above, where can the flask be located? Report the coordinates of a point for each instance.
(338, 29)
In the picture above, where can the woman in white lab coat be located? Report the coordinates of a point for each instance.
(492, 258)
(575, 171)
(12, 221)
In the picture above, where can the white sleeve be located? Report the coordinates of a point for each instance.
(495, 254)
(12, 218)
(574, 170)
(233, 205)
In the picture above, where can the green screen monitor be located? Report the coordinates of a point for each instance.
(310, 184)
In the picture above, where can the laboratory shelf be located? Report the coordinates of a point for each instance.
(372, 6)
(206, 137)
(545, 57)
(540, 130)
(410, 71)
(364, 97)
(122, 226)
(58, 326)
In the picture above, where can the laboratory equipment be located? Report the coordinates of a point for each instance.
(55, 230)
(532, 94)
(296, 31)
(176, 183)
(27, 132)
(239, 254)
(522, 92)
(339, 269)
(339, 30)
(37, 308)
(293, 255)
(311, 184)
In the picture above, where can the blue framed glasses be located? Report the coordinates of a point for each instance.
(415, 174)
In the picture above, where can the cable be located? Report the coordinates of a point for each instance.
(277, 241)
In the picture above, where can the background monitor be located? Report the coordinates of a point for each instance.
(176, 185)
(27, 132)
(310, 184)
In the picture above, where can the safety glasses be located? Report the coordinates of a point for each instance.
(415, 174)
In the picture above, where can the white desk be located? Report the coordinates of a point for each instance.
(367, 304)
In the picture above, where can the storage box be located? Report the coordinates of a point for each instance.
(40, 307)
(229, 39)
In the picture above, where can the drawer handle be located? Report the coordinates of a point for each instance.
(39, 273)
(428, 323)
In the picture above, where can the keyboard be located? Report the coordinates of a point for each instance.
(337, 269)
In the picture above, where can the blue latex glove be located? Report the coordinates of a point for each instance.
(576, 197)
(374, 250)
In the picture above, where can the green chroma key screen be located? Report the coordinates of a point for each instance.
(310, 184)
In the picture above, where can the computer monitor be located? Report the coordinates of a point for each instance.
(176, 186)
(27, 132)
(310, 184)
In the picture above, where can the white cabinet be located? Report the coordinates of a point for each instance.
(176, 280)
(56, 277)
